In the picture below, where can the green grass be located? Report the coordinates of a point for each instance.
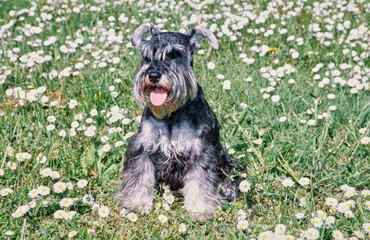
(331, 152)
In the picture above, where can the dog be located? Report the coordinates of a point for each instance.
(178, 139)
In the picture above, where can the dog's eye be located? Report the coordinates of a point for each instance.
(175, 54)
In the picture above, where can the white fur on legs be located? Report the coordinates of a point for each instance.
(138, 181)
(201, 198)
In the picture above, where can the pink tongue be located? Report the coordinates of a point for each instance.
(158, 96)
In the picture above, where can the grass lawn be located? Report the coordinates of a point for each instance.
(290, 87)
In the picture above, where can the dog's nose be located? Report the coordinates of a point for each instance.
(154, 77)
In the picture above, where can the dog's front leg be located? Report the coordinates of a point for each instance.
(138, 180)
(202, 198)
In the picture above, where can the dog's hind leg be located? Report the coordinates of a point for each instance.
(228, 187)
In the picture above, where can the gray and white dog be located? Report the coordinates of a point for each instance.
(178, 139)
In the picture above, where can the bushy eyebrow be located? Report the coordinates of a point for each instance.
(154, 52)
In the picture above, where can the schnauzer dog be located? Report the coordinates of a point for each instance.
(178, 138)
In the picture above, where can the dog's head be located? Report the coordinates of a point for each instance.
(165, 80)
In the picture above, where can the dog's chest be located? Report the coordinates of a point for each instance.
(171, 140)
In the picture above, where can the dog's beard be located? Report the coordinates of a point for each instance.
(178, 93)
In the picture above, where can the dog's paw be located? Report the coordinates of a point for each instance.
(201, 216)
(140, 201)
(229, 191)
(199, 210)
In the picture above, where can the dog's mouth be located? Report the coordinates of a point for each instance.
(158, 96)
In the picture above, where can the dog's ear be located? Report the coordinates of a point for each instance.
(139, 34)
(198, 33)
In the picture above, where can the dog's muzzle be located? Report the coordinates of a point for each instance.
(154, 77)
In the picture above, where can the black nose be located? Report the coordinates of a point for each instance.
(154, 77)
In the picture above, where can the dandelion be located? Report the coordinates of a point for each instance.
(103, 211)
(244, 186)
(288, 182)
